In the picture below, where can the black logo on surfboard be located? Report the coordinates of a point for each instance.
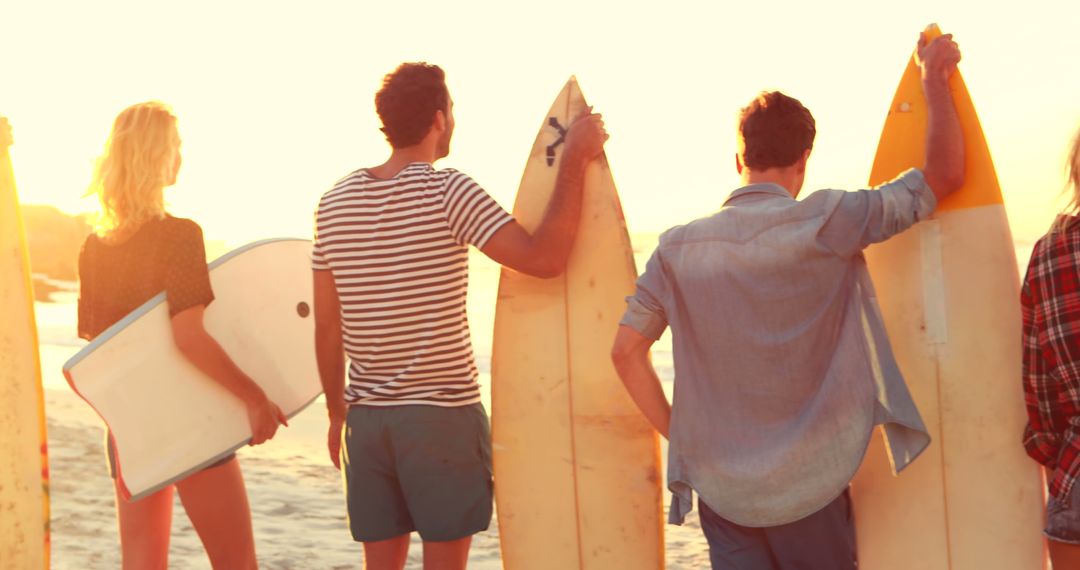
(562, 138)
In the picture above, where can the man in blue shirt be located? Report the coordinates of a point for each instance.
(783, 365)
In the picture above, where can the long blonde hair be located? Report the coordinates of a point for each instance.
(1072, 170)
(138, 163)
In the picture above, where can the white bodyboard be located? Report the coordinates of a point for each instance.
(169, 419)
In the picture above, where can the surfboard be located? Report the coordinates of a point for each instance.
(170, 420)
(949, 293)
(24, 465)
(577, 467)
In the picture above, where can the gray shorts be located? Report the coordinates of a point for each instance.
(1063, 519)
(417, 468)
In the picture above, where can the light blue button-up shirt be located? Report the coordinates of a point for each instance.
(782, 363)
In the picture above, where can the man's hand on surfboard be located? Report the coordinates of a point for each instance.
(5, 133)
(586, 136)
(944, 165)
(937, 58)
(264, 417)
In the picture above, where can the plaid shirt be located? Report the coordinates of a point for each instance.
(1051, 309)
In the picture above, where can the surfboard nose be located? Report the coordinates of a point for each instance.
(932, 31)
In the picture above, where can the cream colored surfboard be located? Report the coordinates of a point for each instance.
(24, 470)
(577, 467)
(949, 293)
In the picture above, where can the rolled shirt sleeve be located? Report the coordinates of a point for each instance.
(645, 308)
(865, 217)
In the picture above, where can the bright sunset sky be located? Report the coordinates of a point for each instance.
(276, 103)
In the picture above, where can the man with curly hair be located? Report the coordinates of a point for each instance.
(390, 264)
(782, 364)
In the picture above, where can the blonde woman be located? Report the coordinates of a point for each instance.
(1051, 310)
(138, 252)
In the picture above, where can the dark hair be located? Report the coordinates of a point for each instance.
(408, 100)
(775, 130)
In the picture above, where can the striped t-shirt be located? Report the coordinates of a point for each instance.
(398, 250)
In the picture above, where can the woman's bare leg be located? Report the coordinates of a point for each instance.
(216, 502)
(144, 530)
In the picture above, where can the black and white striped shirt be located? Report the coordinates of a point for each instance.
(398, 250)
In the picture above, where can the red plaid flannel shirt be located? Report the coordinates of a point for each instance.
(1051, 307)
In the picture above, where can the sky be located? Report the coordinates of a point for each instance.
(276, 99)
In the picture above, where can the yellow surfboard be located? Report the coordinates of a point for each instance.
(24, 470)
(577, 467)
(949, 293)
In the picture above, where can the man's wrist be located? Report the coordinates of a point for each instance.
(935, 86)
(573, 163)
(336, 410)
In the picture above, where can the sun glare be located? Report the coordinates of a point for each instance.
(276, 104)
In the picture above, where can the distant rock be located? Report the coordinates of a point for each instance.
(54, 240)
